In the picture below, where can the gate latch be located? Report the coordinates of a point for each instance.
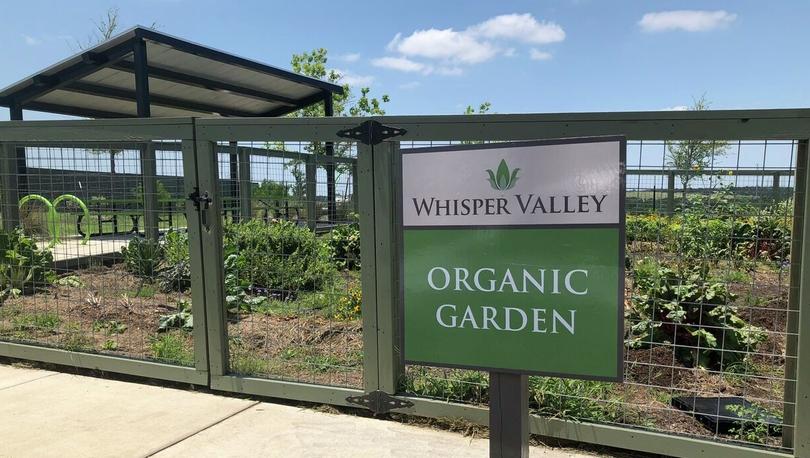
(200, 200)
(379, 402)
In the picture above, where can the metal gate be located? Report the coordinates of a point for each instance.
(284, 305)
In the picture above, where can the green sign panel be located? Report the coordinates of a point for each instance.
(514, 257)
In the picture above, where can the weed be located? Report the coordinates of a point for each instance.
(245, 364)
(110, 345)
(109, 328)
(173, 347)
(37, 322)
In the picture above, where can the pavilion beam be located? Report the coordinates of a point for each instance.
(73, 111)
(10, 176)
(305, 102)
(148, 158)
(46, 84)
(158, 100)
(206, 83)
(329, 110)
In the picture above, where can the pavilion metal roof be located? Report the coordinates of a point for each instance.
(184, 79)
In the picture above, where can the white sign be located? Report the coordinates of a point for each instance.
(526, 183)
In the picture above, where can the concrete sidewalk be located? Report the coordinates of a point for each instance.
(45, 413)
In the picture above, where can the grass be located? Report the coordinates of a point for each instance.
(246, 364)
(173, 347)
(37, 322)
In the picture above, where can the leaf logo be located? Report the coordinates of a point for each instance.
(503, 180)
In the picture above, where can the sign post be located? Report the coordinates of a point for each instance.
(513, 263)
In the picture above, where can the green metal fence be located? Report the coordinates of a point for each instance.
(303, 318)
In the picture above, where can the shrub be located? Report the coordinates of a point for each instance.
(349, 306)
(174, 273)
(344, 243)
(646, 228)
(142, 257)
(279, 258)
(24, 267)
(683, 309)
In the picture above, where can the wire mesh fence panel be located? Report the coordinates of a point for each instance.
(292, 262)
(80, 270)
(709, 229)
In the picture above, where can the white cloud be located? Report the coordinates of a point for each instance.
(31, 41)
(676, 108)
(536, 54)
(519, 27)
(449, 51)
(444, 44)
(402, 64)
(349, 57)
(687, 20)
(410, 85)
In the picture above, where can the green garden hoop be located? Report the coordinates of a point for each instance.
(51, 217)
(81, 205)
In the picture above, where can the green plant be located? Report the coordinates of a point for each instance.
(110, 327)
(452, 385)
(24, 267)
(174, 347)
(174, 274)
(142, 257)
(181, 319)
(37, 322)
(74, 339)
(71, 281)
(278, 259)
(754, 426)
(349, 306)
(344, 243)
(109, 345)
(246, 364)
(575, 399)
(681, 308)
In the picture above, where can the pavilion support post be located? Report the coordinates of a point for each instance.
(9, 185)
(355, 189)
(329, 110)
(670, 193)
(245, 207)
(311, 177)
(232, 192)
(15, 113)
(148, 159)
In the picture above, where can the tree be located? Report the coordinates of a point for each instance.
(314, 64)
(482, 109)
(691, 157)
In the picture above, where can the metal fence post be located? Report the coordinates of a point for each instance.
(792, 325)
(801, 431)
(8, 179)
(245, 207)
(671, 193)
(386, 182)
(311, 177)
(365, 199)
(213, 262)
(150, 197)
(196, 258)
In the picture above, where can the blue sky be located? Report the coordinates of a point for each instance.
(436, 57)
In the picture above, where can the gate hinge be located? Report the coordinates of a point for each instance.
(203, 199)
(379, 402)
(371, 132)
